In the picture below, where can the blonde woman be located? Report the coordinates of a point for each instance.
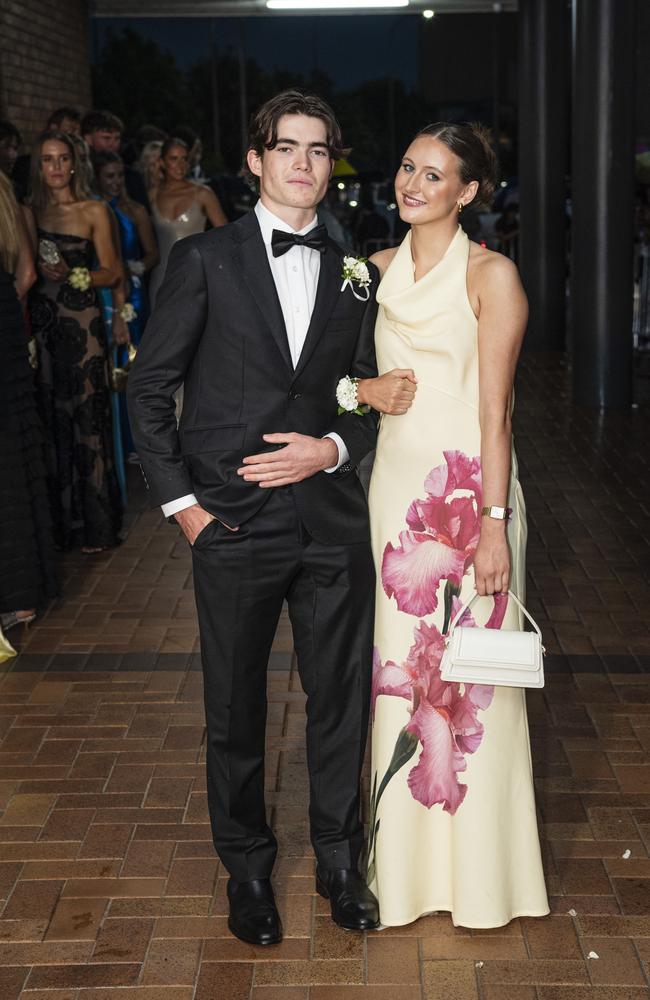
(27, 558)
(179, 207)
(74, 230)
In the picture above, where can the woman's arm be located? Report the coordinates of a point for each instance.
(120, 289)
(147, 237)
(503, 313)
(394, 391)
(110, 270)
(211, 207)
(30, 225)
(25, 268)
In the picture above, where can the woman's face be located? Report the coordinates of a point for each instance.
(176, 163)
(428, 185)
(111, 180)
(56, 164)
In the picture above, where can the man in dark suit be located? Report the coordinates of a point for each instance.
(261, 476)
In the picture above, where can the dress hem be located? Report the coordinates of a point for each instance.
(447, 909)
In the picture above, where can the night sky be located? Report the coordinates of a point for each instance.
(350, 49)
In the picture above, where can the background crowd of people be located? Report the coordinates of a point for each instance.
(86, 224)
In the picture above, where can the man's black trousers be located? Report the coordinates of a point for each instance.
(241, 580)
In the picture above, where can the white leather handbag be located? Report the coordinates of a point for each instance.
(499, 657)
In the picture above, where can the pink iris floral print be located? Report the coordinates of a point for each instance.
(444, 717)
(438, 548)
(441, 541)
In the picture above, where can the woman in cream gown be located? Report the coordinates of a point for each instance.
(452, 818)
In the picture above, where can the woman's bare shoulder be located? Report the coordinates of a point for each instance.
(491, 263)
(489, 271)
(383, 258)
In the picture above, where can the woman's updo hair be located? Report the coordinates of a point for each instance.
(470, 142)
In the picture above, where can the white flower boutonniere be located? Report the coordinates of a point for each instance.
(80, 279)
(346, 397)
(355, 272)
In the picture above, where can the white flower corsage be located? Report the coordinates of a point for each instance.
(80, 279)
(355, 272)
(136, 267)
(126, 312)
(347, 398)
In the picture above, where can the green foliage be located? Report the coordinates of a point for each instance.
(141, 83)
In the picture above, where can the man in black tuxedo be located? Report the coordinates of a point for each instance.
(261, 476)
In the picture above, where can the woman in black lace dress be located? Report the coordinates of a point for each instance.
(73, 370)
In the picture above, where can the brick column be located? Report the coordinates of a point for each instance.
(45, 59)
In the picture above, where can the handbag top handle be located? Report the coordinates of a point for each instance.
(465, 607)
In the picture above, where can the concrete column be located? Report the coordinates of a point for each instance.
(543, 26)
(604, 47)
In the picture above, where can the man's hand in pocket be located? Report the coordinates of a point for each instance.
(193, 520)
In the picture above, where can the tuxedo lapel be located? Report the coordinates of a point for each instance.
(329, 284)
(251, 258)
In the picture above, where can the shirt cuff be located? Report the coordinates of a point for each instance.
(173, 507)
(344, 454)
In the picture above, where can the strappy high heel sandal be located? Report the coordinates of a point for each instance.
(12, 618)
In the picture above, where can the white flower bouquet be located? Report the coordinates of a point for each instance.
(79, 279)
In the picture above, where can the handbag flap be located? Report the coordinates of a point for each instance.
(496, 646)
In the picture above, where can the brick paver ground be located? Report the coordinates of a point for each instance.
(109, 886)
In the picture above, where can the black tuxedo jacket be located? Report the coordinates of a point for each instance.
(218, 328)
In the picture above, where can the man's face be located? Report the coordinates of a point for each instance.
(294, 174)
(70, 126)
(104, 140)
(8, 154)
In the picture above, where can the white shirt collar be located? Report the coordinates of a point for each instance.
(268, 222)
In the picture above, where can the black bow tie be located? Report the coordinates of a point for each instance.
(315, 239)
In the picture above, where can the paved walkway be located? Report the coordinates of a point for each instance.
(109, 887)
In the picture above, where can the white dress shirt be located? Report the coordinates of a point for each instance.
(295, 274)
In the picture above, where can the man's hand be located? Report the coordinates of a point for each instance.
(302, 457)
(193, 520)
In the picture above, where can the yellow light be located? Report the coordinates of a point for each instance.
(341, 186)
(353, 204)
(428, 14)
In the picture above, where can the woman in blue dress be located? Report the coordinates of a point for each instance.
(139, 252)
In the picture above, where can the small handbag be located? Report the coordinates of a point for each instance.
(119, 375)
(500, 657)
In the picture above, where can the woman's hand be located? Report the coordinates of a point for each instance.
(392, 393)
(54, 272)
(492, 559)
(120, 330)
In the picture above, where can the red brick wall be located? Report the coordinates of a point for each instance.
(44, 60)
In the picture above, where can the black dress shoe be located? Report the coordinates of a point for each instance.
(254, 917)
(353, 905)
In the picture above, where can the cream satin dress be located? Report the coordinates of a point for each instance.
(454, 828)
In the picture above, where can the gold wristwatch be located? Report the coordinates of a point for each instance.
(498, 513)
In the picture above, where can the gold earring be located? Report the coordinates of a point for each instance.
(460, 207)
